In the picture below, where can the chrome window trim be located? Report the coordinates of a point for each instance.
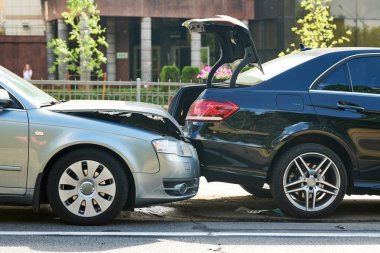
(311, 87)
(346, 93)
(13, 109)
(349, 76)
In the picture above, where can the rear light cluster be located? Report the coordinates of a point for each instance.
(211, 110)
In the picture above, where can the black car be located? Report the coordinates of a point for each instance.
(306, 124)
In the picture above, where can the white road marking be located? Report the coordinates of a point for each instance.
(195, 234)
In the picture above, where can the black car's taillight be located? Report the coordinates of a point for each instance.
(211, 110)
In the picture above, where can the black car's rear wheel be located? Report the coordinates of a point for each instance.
(309, 180)
(257, 192)
(87, 187)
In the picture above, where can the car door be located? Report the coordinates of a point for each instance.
(14, 136)
(347, 100)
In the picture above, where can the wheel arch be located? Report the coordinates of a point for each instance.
(42, 196)
(325, 139)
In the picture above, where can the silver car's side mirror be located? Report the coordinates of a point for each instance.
(5, 100)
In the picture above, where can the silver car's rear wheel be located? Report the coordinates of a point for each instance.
(87, 187)
(308, 180)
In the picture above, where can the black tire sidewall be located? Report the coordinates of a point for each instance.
(278, 174)
(115, 167)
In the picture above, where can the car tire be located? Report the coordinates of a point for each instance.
(87, 187)
(318, 190)
(257, 192)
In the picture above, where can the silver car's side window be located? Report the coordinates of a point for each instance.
(14, 104)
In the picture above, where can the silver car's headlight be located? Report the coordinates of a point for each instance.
(172, 146)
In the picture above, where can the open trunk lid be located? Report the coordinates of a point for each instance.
(235, 43)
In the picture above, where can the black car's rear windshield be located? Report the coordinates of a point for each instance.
(272, 68)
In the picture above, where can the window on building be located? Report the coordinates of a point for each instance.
(337, 80)
(266, 34)
(365, 74)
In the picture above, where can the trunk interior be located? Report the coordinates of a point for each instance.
(182, 101)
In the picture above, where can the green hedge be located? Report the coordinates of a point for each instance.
(189, 74)
(169, 72)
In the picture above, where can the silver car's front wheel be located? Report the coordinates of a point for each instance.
(87, 187)
(309, 180)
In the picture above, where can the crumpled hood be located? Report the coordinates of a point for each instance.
(106, 105)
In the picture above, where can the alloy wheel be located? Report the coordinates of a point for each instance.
(311, 181)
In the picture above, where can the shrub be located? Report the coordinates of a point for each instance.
(169, 72)
(189, 74)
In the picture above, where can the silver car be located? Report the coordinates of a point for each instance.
(89, 159)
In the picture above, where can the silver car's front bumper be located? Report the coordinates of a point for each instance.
(177, 179)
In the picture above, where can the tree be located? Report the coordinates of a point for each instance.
(316, 28)
(87, 36)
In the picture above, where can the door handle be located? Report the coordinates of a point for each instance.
(349, 106)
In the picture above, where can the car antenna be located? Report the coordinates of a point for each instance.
(304, 48)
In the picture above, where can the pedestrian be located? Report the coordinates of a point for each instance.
(27, 72)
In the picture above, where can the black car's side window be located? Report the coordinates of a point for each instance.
(365, 74)
(336, 80)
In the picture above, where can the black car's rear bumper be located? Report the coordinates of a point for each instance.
(232, 163)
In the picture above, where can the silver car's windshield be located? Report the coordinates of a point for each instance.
(25, 88)
(272, 68)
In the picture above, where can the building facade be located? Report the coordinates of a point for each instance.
(22, 36)
(271, 28)
(145, 35)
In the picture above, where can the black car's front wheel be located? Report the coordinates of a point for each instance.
(309, 180)
(87, 187)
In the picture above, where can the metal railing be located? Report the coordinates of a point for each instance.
(158, 93)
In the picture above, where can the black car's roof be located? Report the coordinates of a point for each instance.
(322, 51)
(299, 70)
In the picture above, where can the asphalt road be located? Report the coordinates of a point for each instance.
(222, 218)
(192, 237)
